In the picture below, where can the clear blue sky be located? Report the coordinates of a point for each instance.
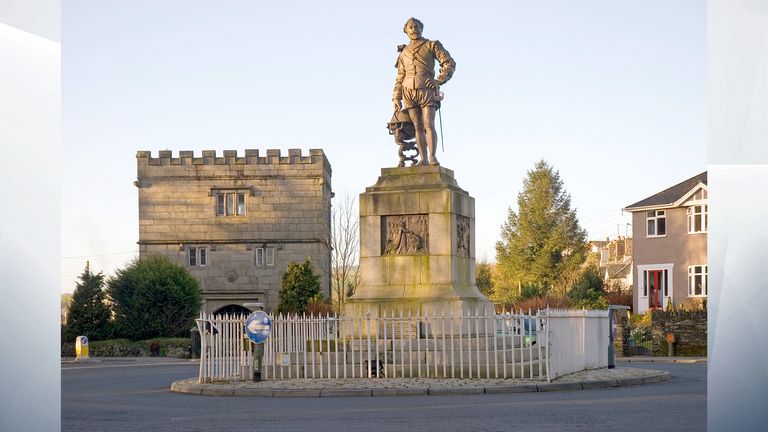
(612, 94)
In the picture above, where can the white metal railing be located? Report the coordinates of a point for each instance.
(533, 346)
(578, 340)
(223, 356)
(406, 344)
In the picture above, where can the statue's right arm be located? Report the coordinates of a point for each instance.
(397, 93)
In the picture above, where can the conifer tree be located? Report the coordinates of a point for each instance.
(299, 285)
(542, 244)
(484, 278)
(88, 313)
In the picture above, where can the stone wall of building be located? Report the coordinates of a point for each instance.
(286, 215)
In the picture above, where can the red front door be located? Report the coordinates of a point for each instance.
(655, 295)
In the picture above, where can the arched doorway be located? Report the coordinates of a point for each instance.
(233, 309)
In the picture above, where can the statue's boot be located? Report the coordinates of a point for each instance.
(422, 153)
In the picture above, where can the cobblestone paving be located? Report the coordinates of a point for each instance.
(605, 373)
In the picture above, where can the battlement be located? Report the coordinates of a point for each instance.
(230, 157)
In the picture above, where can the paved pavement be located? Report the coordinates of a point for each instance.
(346, 387)
(647, 359)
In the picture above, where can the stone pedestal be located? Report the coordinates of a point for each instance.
(417, 246)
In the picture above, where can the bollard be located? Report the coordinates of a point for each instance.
(670, 344)
(81, 348)
(194, 335)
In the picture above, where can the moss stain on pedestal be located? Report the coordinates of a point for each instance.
(394, 281)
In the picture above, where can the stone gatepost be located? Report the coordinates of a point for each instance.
(417, 248)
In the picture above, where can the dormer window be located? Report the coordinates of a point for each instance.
(656, 223)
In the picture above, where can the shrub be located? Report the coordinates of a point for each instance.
(320, 306)
(542, 302)
(617, 296)
(589, 287)
(154, 297)
(528, 291)
(695, 305)
(163, 347)
(299, 285)
(154, 349)
(642, 326)
(558, 302)
(598, 303)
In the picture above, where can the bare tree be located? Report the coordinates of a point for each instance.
(345, 241)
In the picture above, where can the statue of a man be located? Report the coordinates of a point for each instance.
(417, 87)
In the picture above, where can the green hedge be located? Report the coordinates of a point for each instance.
(157, 347)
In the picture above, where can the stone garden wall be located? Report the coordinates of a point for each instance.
(689, 328)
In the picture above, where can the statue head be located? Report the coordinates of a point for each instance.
(413, 28)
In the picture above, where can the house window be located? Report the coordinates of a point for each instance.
(656, 223)
(265, 257)
(697, 281)
(697, 219)
(198, 256)
(230, 203)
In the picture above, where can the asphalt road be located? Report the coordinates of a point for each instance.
(135, 397)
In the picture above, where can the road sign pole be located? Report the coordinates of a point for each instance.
(258, 326)
(258, 359)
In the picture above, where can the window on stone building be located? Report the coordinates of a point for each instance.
(230, 203)
(265, 257)
(697, 219)
(697, 281)
(656, 223)
(198, 256)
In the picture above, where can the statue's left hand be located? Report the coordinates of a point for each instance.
(433, 84)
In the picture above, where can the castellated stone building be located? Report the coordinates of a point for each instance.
(237, 221)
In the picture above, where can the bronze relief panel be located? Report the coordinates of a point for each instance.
(462, 235)
(405, 234)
